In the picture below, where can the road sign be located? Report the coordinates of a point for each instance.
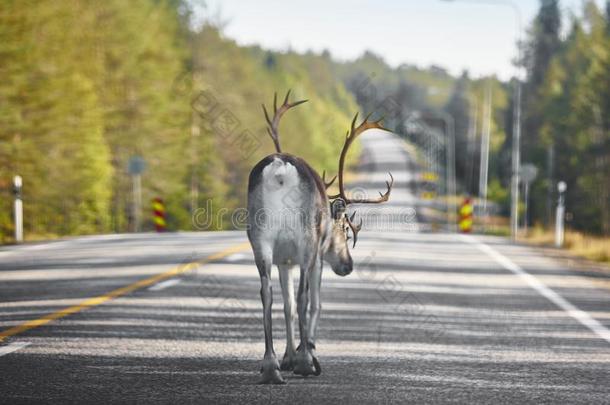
(528, 172)
(136, 165)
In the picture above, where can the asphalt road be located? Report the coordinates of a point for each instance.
(425, 317)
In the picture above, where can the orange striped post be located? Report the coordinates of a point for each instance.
(465, 222)
(159, 214)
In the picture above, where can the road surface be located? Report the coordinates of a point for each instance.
(425, 317)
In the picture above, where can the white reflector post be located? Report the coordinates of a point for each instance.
(18, 209)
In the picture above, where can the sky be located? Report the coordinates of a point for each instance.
(457, 35)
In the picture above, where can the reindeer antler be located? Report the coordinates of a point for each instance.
(355, 228)
(351, 135)
(327, 184)
(273, 127)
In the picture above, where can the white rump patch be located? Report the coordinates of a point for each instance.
(280, 176)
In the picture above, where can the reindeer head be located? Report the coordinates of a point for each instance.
(338, 255)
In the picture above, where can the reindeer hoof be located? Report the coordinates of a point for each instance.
(317, 366)
(272, 377)
(271, 372)
(288, 362)
(304, 364)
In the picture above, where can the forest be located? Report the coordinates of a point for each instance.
(88, 86)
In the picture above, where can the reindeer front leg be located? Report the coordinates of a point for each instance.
(315, 306)
(315, 281)
(304, 361)
(271, 368)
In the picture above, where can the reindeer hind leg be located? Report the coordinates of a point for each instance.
(287, 284)
(270, 369)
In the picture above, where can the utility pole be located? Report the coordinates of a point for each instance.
(472, 138)
(18, 208)
(516, 163)
(526, 197)
(452, 187)
(484, 167)
(550, 169)
(514, 185)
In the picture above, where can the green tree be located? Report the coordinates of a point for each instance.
(542, 46)
(574, 100)
(53, 130)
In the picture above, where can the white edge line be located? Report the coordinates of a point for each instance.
(584, 318)
(12, 347)
(164, 284)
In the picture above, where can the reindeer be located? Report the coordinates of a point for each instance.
(292, 222)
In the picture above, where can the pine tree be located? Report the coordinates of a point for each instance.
(459, 108)
(543, 45)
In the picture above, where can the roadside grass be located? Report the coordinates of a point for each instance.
(595, 248)
(33, 237)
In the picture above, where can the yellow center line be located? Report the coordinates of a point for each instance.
(94, 301)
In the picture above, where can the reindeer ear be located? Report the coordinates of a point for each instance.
(337, 208)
